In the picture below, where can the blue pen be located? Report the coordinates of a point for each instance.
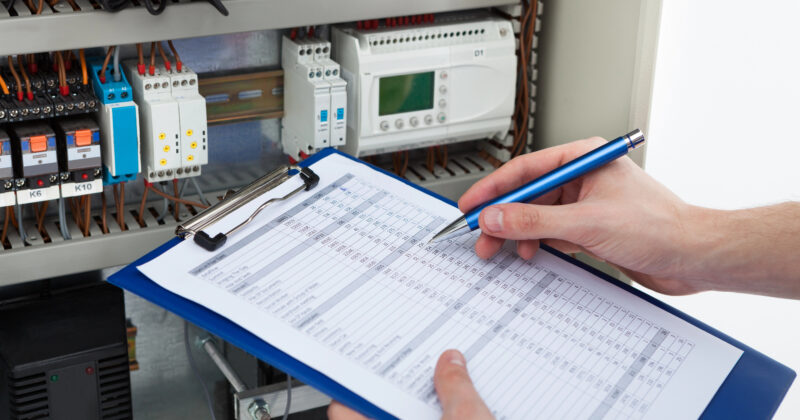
(548, 182)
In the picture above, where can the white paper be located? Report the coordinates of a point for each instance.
(342, 279)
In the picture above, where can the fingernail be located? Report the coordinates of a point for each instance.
(493, 219)
(456, 358)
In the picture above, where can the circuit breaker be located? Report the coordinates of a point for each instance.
(159, 123)
(80, 158)
(36, 162)
(315, 98)
(118, 117)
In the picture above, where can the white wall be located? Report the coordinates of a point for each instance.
(724, 133)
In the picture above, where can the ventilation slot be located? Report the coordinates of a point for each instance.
(115, 388)
(28, 397)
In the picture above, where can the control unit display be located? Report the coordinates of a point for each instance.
(407, 93)
(428, 84)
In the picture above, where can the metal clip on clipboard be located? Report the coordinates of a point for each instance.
(194, 226)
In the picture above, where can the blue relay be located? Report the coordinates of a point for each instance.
(119, 124)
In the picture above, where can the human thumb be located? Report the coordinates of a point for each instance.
(519, 221)
(457, 395)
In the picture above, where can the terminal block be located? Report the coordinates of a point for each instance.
(80, 160)
(7, 186)
(315, 98)
(118, 118)
(192, 120)
(159, 123)
(35, 162)
(46, 100)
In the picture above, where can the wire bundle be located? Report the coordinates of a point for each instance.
(521, 117)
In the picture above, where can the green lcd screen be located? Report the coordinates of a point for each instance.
(406, 93)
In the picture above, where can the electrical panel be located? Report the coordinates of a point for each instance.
(103, 140)
(104, 148)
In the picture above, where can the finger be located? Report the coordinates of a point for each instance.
(527, 249)
(523, 169)
(456, 393)
(519, 221)
(563, 246)
(337, 411)
(487, 246)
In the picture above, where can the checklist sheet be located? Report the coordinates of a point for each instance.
(342, 279)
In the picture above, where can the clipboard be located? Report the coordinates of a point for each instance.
(754, 388)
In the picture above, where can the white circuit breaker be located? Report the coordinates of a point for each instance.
(159, 120)
(192, 118)
(315, 98)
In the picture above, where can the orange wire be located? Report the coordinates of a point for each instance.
(5, 227)
(16, 76)
(105, 63)
(141, 54)
(62, 78)
(176, 199)
(178, 62)
(142, 204)
(3, 85)
(152, 55)
(164, 56)
(84, 73)
(121, 211)
(21, 63)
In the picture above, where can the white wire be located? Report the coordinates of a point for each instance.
(196, 372)
(288, 396)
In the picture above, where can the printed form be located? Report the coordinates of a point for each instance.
(341, 278)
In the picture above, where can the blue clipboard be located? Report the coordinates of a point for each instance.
(753, 389)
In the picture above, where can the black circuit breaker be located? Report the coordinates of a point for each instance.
(35, 162)
(65, 357)
(6, 171)
(79, 148)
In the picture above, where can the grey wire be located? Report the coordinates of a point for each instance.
(22, 235)
(200, 192)
(183, 188)
(288, 396)
(164, 210)
(117, 74)
(196, 371)
(62, 219)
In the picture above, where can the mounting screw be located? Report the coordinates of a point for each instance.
(259, 410)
